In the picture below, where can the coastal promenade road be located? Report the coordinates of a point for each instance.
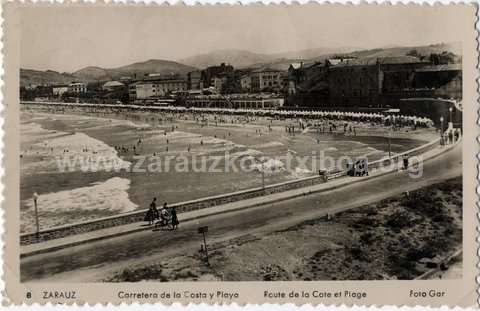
(97, 260)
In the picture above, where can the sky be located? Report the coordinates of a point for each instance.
(66, 39)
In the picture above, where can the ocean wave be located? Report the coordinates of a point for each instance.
(67, 206)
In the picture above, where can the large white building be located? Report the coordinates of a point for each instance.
(59, 90)
(266, 79)
(156, 88)
(77, 87)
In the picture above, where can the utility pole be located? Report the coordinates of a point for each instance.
(35, 199)
(263, 176)
(389, 144)
(441, 131)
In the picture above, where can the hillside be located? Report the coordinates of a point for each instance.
(281, 61)
(454, 48)
(92, 73)
(312, 53)
(236, 58)
(35, 77)
(163, 67)
(245, 59)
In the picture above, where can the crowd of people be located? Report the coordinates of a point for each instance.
(244, 115)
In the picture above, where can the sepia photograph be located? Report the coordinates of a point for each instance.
(220, 144)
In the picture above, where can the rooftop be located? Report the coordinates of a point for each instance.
(265, 69)
(390, 60)
(160, 80)
(113, 83)
(304, 64)
(445, 67)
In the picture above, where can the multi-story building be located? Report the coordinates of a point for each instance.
(371, 82)
(443, 80)
(246, 82)
(59, 90)
(148, 89)
(237, 101)
(219, 82)
(194, 80)
(77, 87)
(132, 91)
(361, 82)
(300, 72)
(212, 71)
(266, 79)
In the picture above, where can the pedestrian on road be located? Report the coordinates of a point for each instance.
(164, 214)
(152, 212)
(175, 221)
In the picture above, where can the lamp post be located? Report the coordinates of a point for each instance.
(263, 176)
(389, 144)
(35, 199)
(441, 131)
(451, 110)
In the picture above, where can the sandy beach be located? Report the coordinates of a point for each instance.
(259, 142)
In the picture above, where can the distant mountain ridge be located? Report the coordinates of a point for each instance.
(243, 59)
(36, 77)
(94, 73)
(238, 58)
(455, 48)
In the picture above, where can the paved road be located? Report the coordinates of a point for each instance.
(95, 261)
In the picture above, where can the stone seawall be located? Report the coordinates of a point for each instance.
(137, 216)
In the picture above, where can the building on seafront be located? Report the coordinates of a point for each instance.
(371, 82)
(266, 79)
(194, 80)
(363, 82)
(59, 89)
(246, 83)
(440, 80)
(77, 87)
(112, 86)
(73, 88)
(156, 88)
(237, 101)
(219, 81)
(208, 74)
(300, 73)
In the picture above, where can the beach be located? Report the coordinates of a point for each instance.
(50, 142)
